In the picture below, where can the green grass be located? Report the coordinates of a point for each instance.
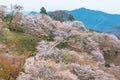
(24, 43)
(11, 36)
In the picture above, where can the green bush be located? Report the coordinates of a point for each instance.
(16, 28)
(28, 43)
(63, 45)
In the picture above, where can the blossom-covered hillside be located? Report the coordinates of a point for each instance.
(69, 51)
(36, 47)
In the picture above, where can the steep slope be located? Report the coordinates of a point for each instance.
(71, 52)
(95, 20)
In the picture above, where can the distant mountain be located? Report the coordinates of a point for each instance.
(26, 12)
(96, 20)
(32, 13)
(115, 30)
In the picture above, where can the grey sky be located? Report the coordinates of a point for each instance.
(110, 6)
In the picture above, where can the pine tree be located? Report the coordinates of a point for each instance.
(43, 10)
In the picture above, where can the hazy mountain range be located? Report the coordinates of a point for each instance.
(96, 20)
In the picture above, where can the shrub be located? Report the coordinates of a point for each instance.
(46, 70)
(16, 29)
(109, 51)
(49, 38)
(63, 45)
(10, 67)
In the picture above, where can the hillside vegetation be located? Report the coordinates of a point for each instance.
(69, 48)
(36, 47)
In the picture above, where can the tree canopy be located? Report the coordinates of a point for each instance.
(43, 10)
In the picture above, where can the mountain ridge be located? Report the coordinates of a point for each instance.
(101, 21)
(94, 10)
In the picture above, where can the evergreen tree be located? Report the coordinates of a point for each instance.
(43, 10)
(71, 18)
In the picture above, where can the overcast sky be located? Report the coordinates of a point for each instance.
(109, 6)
